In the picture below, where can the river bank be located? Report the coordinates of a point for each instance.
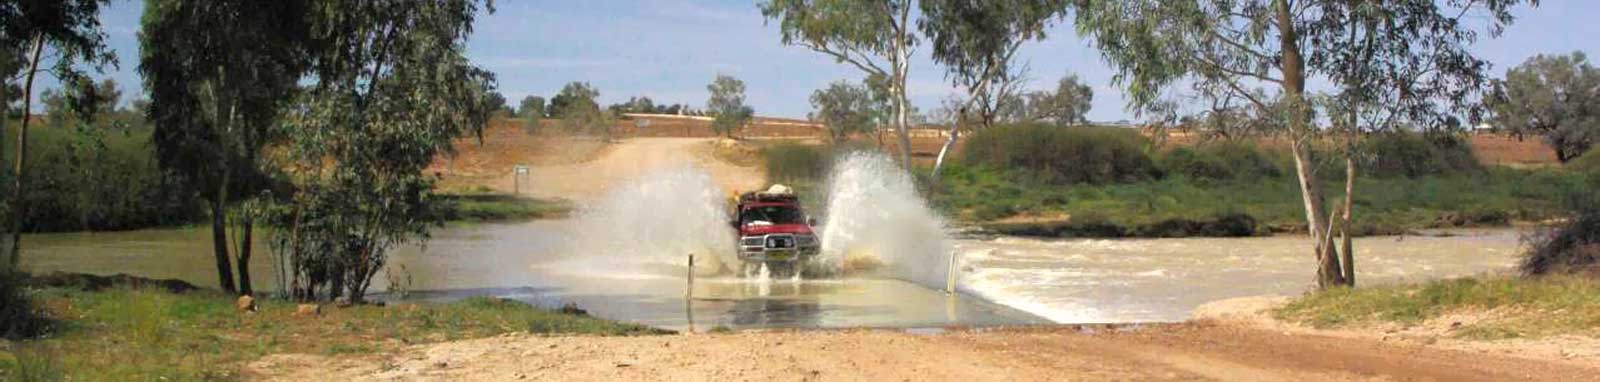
(125, 332)
(1206, 350)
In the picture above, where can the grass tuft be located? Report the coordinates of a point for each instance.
(1510, 307)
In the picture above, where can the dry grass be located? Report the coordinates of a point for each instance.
(124, 335)
(1485, 308)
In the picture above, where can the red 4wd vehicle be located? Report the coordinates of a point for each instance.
(773, 230)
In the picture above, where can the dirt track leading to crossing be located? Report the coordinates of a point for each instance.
(1203, 350)
(630, 159)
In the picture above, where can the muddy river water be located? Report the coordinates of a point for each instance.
(1004, 280)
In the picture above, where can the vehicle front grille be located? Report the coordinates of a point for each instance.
(780, 241)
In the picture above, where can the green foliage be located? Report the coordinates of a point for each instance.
(874, 37)
(574, 97)
(1183, 206)
(479, 207)
(1058, 156)
(20, 316)
(1556, 97)
(364, 132)
(796, 163)
(531, 107)
(976, 41)
(1532, 308)
(578, 108)
(219, 74)
(1067, 105)
(497, 104)
(1413, 155)
(727, 104)
(70, 31)
(101, 177)
(200, 336)
(1222, 161)
(845, 108)
(1571, 246)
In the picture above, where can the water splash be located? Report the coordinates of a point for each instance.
(655, 222)
(876, 219)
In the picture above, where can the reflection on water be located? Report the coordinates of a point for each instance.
(1164, 279)
(1062, 280)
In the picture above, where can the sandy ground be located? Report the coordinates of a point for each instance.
(629, 159)
(1202, 350)
(1435, 333)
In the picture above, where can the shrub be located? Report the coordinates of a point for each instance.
(102, 179)
(1221, 161)
(794, 162)
(1413, 155)
(1572, 247)
(19, 317)
(1064, 155)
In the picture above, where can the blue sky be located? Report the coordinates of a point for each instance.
(670, 49)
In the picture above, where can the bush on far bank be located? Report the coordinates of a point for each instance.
(1056, 155)
(1411, 155)
(789, 162)
(1571, 246)
(1223, 160)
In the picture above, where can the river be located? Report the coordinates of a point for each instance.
(1005, 280)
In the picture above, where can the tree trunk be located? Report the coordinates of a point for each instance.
(18, 208)
(243, 264)
(1292, 67)
(902, 126)
(1347, 257)
(901, 65)
(949, 144)
(219, 236)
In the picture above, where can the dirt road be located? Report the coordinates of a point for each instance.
(631, 159)
(1204, 350)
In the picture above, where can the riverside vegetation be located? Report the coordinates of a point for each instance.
(103, 178)
(1042, 180)
(126, 333)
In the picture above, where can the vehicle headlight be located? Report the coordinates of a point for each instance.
(806, 240)
(752, 241)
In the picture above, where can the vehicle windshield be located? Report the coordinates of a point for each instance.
(771, 215)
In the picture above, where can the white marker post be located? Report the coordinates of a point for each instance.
(688, 295)
(950, 276)
(517, 173)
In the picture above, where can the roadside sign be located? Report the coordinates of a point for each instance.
(517, 173)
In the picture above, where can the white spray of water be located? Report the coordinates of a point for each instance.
(655, 222)
(875, 215)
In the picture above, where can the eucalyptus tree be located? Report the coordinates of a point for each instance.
(578, 107)
(531, 107)
(874, 36)
(391, 90)
(1556, 97)
(219, 73)
(1266, 51)
(70, 30)
(727, 105)
(977, 42)
(845, 108)
(497, 102)
(1066, 105)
